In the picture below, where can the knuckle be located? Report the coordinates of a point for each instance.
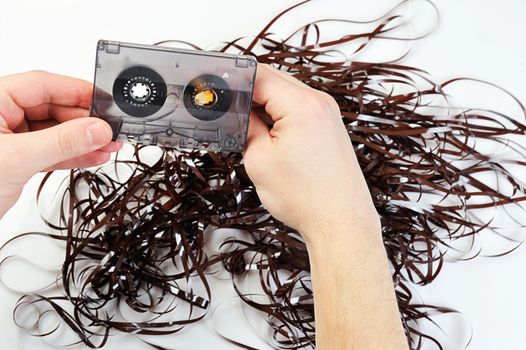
(319, 102)
(312, 99)
(328, 100)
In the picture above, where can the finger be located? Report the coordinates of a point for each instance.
(3, 122)
(258, 146)
(31, 89)
(12, 114)
(45, 124)
(22, 127)
(49, 123)
(278, 94)
(92, 159)
(258, 136)
(3, 126)
(289, 77)
(34, 88)
(111, 147)
(41, 124)
(68, 140)
(56, 112)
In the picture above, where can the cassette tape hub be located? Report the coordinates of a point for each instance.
(173, 97)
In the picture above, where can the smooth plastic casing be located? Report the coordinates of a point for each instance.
(146, 94)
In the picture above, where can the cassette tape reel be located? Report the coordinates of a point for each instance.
(173, 97)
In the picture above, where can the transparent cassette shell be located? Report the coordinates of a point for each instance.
(173, 97)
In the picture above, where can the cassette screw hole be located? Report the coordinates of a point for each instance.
(230, 142)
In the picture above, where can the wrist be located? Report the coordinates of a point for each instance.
(342, 229)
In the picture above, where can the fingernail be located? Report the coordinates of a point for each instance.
(98, 134)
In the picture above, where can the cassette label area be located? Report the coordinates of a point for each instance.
(171, 97)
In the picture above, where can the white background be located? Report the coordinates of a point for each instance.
(477, 38)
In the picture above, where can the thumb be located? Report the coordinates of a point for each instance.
(45, 148)
(258, 132)
(257, 154)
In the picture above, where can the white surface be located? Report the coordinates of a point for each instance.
(477, 38)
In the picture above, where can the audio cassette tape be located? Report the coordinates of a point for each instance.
(171, 97)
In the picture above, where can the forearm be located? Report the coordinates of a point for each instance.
(355, 304)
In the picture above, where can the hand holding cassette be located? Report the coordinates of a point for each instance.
(173, 97)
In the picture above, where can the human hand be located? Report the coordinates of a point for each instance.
(307, 175)
(304, 168)
(44, 126)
